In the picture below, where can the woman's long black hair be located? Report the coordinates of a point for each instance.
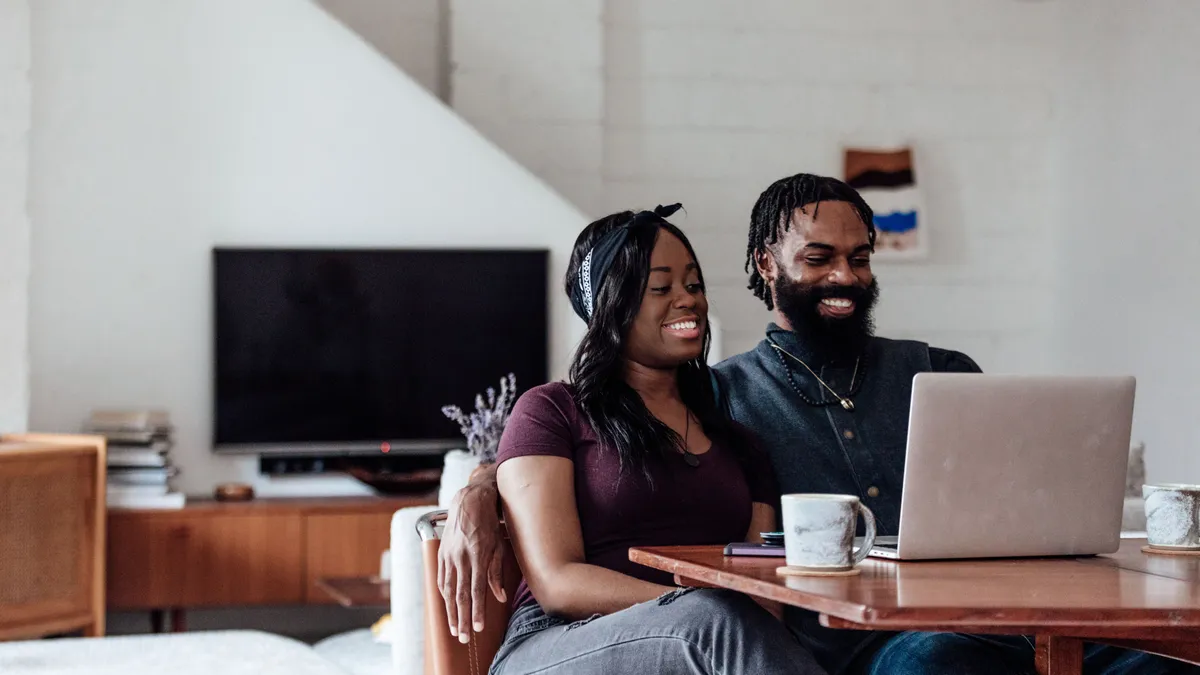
(614, 409)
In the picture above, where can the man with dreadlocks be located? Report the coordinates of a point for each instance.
(820, 374)
(829, 402)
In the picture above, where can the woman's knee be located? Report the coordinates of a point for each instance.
(736, 633)
(708, 602)
(718, 609)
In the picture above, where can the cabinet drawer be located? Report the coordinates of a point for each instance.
(344, 545)
(191, 560)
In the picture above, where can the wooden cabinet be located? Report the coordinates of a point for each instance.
(193, 559)
(342, 545)
(264, 552)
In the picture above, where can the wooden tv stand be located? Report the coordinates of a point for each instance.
(238, 554)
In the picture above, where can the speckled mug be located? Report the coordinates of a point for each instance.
(1172, 518)
(818, 531)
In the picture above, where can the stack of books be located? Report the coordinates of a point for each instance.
(139, 464)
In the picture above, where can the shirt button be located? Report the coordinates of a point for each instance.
(847, 434)
(872, 491)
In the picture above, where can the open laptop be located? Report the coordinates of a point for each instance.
(1008, 466)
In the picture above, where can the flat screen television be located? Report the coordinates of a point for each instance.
(343, 351)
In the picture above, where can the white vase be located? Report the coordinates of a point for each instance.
(456, 472)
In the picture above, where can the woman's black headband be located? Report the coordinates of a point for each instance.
(595, 266)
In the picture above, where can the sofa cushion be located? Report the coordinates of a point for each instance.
(357, 652)
(200, 653)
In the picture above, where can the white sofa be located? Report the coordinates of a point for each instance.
(408, 604)
(240, 652)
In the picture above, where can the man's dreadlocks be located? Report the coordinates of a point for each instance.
(773, 213)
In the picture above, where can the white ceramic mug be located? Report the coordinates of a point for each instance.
(818, 531)
(1172, 516)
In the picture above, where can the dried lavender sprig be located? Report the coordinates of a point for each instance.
(484, 427)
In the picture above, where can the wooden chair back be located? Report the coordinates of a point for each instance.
(52, 535)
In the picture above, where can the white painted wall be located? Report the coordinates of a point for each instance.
(1130, 244)
(14, 219)
(166, 128)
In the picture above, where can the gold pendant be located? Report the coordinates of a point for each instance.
(848, 404)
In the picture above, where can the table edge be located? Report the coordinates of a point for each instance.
(857, 613)
(1186, 621)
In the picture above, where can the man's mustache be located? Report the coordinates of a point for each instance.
(844, 291)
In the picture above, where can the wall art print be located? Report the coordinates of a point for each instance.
(887, 181)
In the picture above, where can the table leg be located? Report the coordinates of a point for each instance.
(156, 621)
(1058, 655)
(178, 620)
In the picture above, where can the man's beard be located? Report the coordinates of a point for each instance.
(832, 339)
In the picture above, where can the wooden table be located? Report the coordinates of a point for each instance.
(1128, 599)
(357, 591)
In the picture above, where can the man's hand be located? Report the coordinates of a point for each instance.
(470, 557)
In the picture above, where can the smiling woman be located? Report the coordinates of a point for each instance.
(644, 277)
(671, 326)
(633, 451)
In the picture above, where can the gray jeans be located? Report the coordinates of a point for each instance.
(690, 631)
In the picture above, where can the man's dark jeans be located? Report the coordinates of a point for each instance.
(946, 653)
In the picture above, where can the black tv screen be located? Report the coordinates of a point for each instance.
(345, 350)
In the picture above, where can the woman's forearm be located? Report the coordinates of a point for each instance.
(578, 591)
(543, 523)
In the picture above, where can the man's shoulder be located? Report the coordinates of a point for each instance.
(950, 361)
(737, 361)
(940, 360)
(739, 365)
(731, 377)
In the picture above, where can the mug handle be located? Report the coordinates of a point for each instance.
(869, 539)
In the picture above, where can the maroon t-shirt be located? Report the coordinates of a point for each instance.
(708, 504)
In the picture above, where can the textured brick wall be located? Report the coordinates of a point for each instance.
(1128, 276)
(707, 102)
(530, 76)
(408, 32)
(1054, 143)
